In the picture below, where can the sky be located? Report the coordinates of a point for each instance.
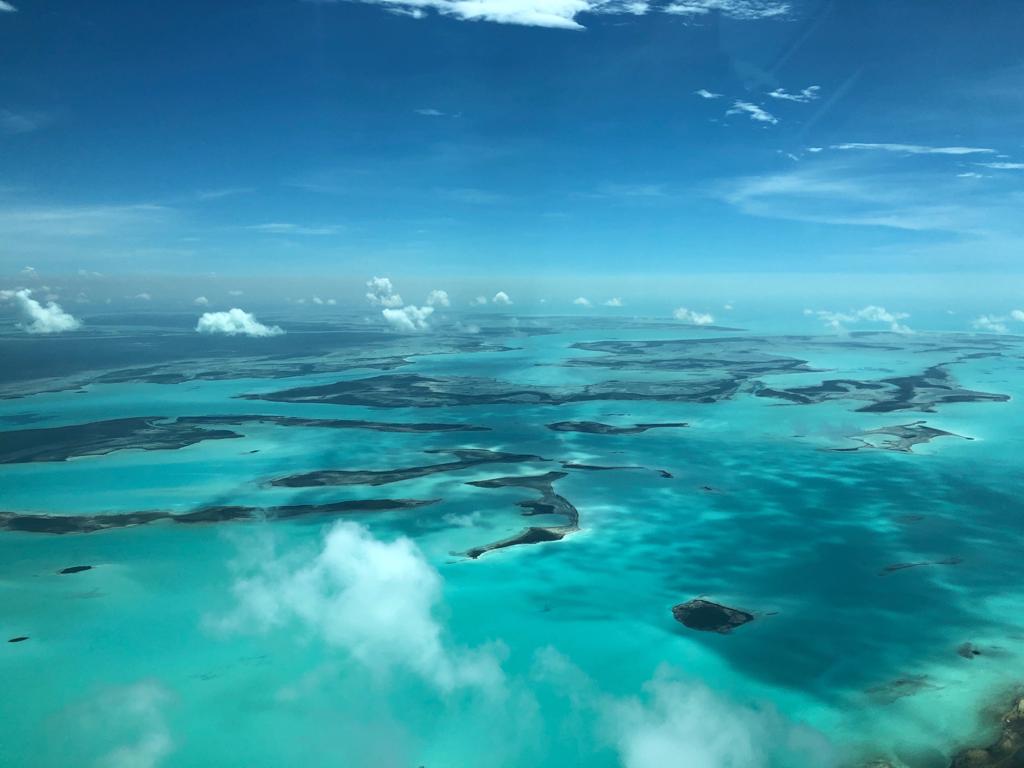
(467, 138)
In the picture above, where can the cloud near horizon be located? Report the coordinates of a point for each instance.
(838, 321)
(409, 318)
(693, 318)
(235, 322)
(39, 319)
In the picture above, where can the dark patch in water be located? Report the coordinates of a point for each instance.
(464, 459)
(75, 569)
(60, 524)
(706, 616)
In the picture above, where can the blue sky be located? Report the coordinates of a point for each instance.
(521, 137)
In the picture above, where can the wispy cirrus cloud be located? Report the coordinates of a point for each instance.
(829, 194)
(1003, 166)
(704, 93)
(6, 7)
(288, 228)
(22, 122)
(563, 14)
(914, 149)
(801, 97)
(79, 220)
(756, 113)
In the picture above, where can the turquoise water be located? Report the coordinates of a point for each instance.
(369, 640)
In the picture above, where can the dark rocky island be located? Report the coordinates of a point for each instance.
(706, 616)
(1007, 751)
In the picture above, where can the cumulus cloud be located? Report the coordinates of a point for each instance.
(36, 318)
(677, 722)
(870, 314)
(121, 727)
(372, 599)
(479, 301)
(143, 296)
(201, 301)
(235, 322)
(914, 149)
(801, 97)
(615, 301)
(581, 301)
(409, 318)
(693, 318)
(501, 298)
(990, 323)
(756, 113)
(438, 299)
(381, 293)
(997, 323)
(704, 93)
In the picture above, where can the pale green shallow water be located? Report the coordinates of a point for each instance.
(132, 655)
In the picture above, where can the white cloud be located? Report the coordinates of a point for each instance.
(479, 301)
(802, 97)
(704, 93)
(235, 322)
(835, 196)
(429, 112)
(139, 708)
(970, 175)
(694, 318)
(614, 302)
(581, 301)
(143, 296)
(409, 318)
(438, 299)
(287, 228)
(685, 723)
(991, 323)
(235, 293)
(914, 149)
(121, 727)
(1018, 315)
(21, 122)
(39, 319)
(756, 113)
(501, 298)
(1003, 166)
(562, 14)
(201, 301)
(375, 600)
(6, 7)
(382, 293)
(869, 314)
(744, 10)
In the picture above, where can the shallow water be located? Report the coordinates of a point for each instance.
(250, 643)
